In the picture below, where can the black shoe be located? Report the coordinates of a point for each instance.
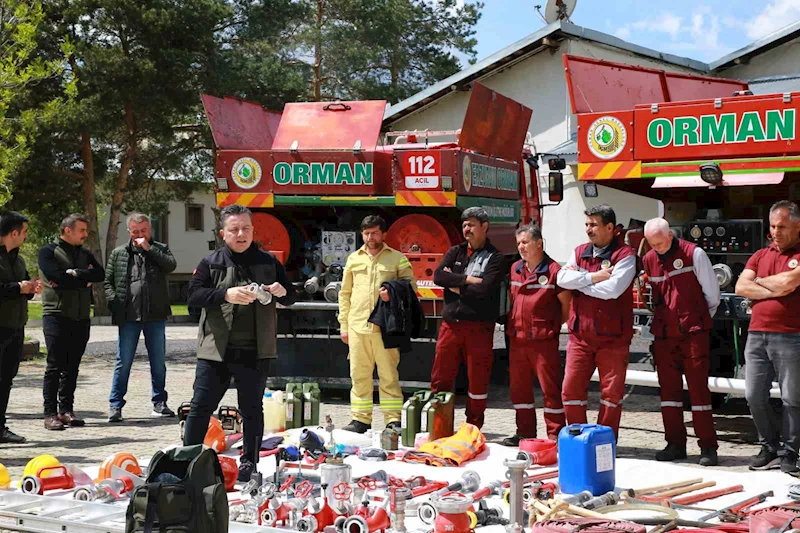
(356, 427)
(114, 414)
(789, 463)
(246, 469)
(672, 452)
(394, 425)
(708, 457)
(767, 459)
(512, 441)
(160, 410)
(9, 436)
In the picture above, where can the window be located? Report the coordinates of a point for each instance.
(194, 217)
(160, 232)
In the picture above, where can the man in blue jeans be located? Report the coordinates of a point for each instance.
(137, 293)
(771, 280)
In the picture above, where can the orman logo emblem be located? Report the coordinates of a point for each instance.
(793, 263)
(542, 280)
(246, 172)
(607, 137)
(678, 263)
(605, 264)
(466, 173)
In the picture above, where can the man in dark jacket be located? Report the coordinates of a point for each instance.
(137, 292)
(237, 335)
(401, 318)
(16, 288)
(472, 274)
(67, 270)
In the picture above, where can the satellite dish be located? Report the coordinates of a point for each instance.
(556, 10)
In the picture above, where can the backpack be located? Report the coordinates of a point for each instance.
(196, 503)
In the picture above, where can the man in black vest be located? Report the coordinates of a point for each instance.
(67, 271)
(16, 288)
(237, 331)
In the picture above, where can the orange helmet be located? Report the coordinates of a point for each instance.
(215, 436)
(123, 460)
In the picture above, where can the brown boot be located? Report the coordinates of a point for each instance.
(53, 423)
(70, 419)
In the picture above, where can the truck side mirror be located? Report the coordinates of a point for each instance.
(555, 189)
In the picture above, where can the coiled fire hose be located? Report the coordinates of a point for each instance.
(663, 512)
(586, 525)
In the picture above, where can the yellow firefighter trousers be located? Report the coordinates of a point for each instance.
(366, 351)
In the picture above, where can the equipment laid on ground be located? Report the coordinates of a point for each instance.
(294, 405)
(311, 398)
(411, 416)
(589, 452)
(437, 415)
(274, 412)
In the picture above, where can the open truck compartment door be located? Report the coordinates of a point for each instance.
(597, 86)
(240, 125)
(330, 125)
(494, 125)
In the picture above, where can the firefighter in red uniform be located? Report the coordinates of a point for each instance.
(538, 308)
(471, 274)
(600, 274)
(685, 297)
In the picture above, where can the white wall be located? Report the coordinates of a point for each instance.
(188, 247)
(539, 82)
(783, 60)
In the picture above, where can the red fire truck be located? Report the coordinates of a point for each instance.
(714, 154)
(312, 172)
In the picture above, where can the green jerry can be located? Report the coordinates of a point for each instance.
(438, 415)
(311, 395)
(410, 416)
(294, 405)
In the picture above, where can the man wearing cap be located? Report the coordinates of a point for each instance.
(471, 274)
(600, 275)
(685, 297)
(771, 280)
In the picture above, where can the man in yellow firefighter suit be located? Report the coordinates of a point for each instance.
(365, 271)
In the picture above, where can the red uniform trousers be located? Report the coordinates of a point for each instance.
(471, 340)
(611, 361)
(685, 355)
(539, 357)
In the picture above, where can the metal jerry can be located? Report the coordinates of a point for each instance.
(410, 416)
(294, 405)
(311, 394)
(437, 416)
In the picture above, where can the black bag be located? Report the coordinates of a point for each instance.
(195, 503)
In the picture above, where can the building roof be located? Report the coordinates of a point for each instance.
(773, 40)
(551, 34)
(546, 37)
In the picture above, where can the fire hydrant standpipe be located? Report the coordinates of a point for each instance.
(516, 477)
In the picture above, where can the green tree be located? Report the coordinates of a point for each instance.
(20, 73)
(385, 49)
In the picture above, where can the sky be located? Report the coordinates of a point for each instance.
(699, 29)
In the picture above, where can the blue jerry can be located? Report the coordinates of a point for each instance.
(586, 459)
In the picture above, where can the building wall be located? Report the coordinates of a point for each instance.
(539, 83)
(783, 60)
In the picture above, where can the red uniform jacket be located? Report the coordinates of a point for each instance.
(535, 309)
(596, 320)
(679, 305)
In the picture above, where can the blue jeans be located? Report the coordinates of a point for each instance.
(770, 356)
(156, 342)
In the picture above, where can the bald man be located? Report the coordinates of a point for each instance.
(685, 297)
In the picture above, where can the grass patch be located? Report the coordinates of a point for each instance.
(35, 310)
